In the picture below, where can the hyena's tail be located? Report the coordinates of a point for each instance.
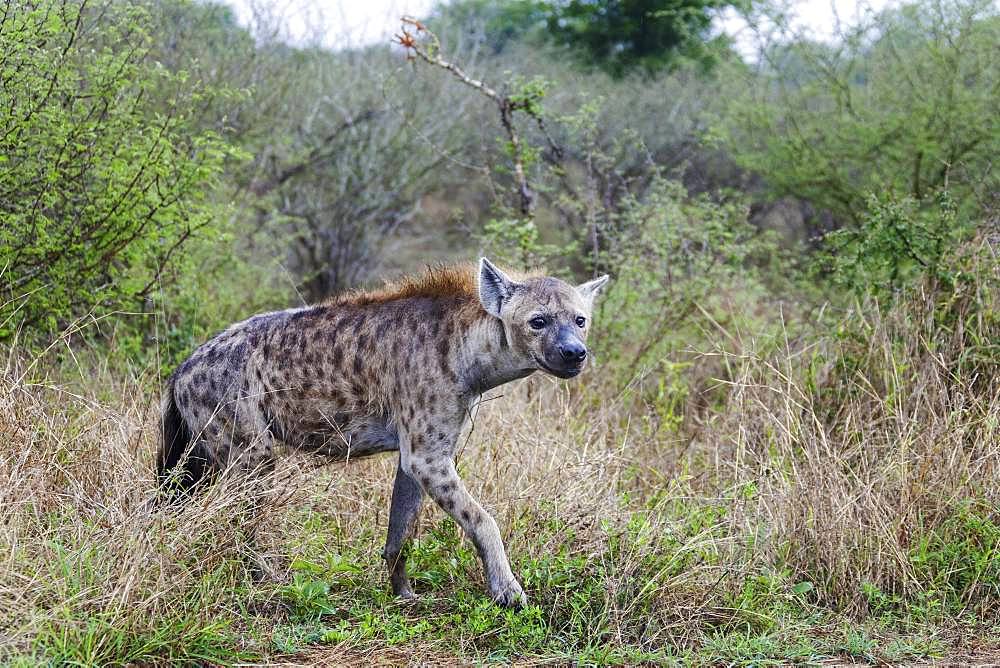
(179, 466)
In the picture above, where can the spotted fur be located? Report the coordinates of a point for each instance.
(394, 369)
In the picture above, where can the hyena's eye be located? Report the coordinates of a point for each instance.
(538, 322)
(580, 321)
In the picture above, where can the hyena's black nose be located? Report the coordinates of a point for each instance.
(572, 351)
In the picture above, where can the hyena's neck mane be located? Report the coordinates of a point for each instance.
(472, 341)
(447, 281)
(456, 281)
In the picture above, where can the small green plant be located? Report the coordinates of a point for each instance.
(308, 597)
(958, 562)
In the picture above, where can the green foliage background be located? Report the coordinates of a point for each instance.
(901, 106)
(803, 310)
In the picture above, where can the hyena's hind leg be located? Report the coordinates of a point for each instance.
(248, 474)
(251, 459)
(239, 449)
(184, 460)
(407, 496)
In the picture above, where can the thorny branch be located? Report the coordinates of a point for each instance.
(429, 51)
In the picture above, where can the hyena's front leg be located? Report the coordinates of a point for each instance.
(434, 468)
(406, 499)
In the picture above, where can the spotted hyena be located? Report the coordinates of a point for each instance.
(396, 369)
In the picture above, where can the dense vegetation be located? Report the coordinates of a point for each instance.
(788, 448)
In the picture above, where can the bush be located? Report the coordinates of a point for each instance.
(896, 243)
(904, 104)
(101, 187)
(682, 264)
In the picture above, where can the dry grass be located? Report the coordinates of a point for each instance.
(842, 479)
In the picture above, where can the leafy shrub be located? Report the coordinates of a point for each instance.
(102, 186)
(677, 260)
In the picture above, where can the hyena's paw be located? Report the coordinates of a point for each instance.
(509, 594)
(401, 587)
(405, 594)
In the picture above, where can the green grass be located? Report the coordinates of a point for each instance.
(577, 607)
(605, 607)
(96, 641)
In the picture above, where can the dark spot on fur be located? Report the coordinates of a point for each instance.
(466, 516)
(305, 315)
(442, 436)
(359, 364)
(449, 503)
(428, 460)
(425, 481)
(338, 356)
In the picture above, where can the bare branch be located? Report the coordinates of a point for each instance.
(429, 52)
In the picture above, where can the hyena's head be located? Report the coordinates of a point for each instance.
(546, 320)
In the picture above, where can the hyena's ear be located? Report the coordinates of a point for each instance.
(495, 287)
(590, 289)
